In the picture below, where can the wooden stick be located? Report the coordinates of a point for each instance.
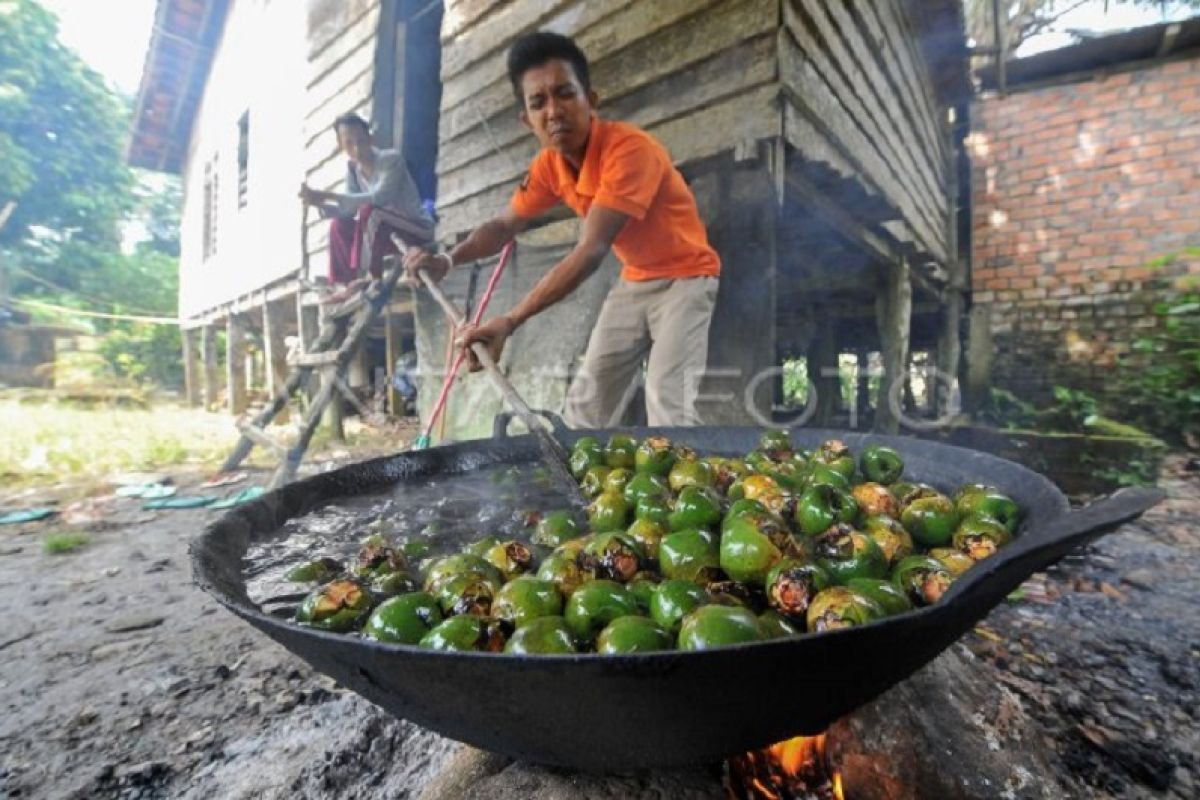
(447, 366)
(260, 438)
(485, 358)
(554, 451)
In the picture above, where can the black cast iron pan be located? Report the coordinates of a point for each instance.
(658, 709)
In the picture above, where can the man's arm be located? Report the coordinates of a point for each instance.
(600, 229)
(486, 240)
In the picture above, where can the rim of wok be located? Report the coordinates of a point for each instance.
(508, 450)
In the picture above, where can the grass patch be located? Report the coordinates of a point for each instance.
(51, 442)
(57, 544)
(54, 442)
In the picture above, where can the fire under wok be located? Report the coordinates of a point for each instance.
(603, 712)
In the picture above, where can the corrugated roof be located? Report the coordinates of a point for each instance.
(186, 33)
(1112, 51)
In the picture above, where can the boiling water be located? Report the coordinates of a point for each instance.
(437, 516)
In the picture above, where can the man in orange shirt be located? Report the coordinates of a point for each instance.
(632, 200)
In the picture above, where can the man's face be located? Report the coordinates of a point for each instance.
(557, 109)
(354, 141)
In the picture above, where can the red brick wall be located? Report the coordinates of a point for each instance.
(1075, 189)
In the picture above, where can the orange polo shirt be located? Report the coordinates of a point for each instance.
(625, 169)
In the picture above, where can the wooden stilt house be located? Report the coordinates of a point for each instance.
(822, 139)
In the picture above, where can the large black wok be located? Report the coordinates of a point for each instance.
(661, 709)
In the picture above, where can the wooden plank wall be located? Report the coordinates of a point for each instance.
(858, 98)
(699, 74)
(341, 70)
(846, 83)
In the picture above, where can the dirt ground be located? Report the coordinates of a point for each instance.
(120, 679)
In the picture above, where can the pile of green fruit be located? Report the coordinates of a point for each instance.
(680, 551)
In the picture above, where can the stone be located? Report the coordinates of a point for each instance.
(1139, 578)
(901, 735)
(85, 716)
(135, 621)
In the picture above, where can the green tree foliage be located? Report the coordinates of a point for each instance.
(134, 350)
(1160, 379)
(61, 136)
(159, 207)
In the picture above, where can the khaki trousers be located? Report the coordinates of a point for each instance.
(663, 323)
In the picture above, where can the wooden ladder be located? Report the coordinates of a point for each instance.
(342, 332)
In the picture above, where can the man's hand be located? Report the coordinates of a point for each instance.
(310, 195)
(435, 265)
(492, 334)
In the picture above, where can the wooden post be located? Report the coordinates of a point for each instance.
(250, 359)
(909, 402)
(862, 388)
(822, 366)
(191, 368)
(979, 356)
(334, 418)
(946, 384)
(275, 352)
(235, 363)
(390, 336)
(308, 326)
(893, 314)
(333, 408)
(208, 353)
(358, 372)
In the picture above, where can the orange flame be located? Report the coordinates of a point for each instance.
(802, 754)
(794, 768)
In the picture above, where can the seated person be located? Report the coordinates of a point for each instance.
(380, 199)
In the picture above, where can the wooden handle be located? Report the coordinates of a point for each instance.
(514, 400)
